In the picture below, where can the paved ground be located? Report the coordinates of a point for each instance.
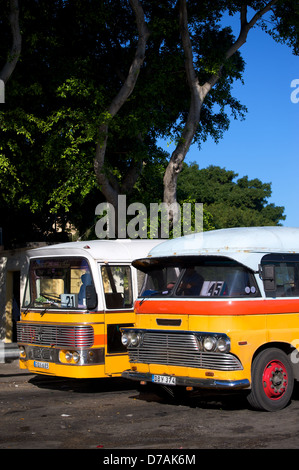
(39, 412)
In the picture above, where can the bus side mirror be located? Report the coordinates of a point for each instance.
(268, 275)
(91, 297)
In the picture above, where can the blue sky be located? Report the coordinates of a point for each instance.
(265, 145)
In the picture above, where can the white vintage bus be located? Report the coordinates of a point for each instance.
(77, 296)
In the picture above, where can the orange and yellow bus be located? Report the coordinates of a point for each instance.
(77, 296)
(220, 310)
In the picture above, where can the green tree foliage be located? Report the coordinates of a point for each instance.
(75, 57)
(232, 202)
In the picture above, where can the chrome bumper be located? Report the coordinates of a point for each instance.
(49, 354)
(191, 382)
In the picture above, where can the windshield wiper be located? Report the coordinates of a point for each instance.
(48, 304)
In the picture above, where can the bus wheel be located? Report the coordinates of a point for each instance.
(272, 380)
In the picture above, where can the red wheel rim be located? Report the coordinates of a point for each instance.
(275, 380)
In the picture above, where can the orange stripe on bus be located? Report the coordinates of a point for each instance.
(218, 307)
(100, 340)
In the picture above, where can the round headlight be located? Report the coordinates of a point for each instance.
(68, 356)
(135, 339)
(125, 339)
(209, 343)
(222, 345)
(76, 356)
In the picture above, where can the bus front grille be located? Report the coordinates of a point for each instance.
(62, 336)
(176, 349)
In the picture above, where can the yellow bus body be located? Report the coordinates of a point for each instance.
(112, 364)
(251, 339)
(78, 341)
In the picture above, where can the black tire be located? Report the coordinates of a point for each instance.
(272, 381)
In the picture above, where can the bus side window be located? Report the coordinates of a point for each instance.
(287, 281)
(117, 285)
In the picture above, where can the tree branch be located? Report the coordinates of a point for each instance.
(15, 51)
(118, 101)
(261, 13)
(243, 15)
(242, 38)
(178, 155)
(198, 93)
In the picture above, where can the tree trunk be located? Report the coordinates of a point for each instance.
(109, 186)
(15, 51)
(197, 96)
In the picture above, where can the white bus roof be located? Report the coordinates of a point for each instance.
(121, 250)
(243, 244)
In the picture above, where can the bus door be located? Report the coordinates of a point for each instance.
(118, 311)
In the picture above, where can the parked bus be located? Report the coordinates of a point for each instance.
(220, 310)
(76, 298)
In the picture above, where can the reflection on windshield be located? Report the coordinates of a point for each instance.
(57, 283)
(207, 279)
(160, 281)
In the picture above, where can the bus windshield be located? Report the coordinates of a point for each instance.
(57, 283)
(201, 277)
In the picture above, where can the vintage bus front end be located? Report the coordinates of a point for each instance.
(61, 331)
(219, 310)
(77, 297)
(188, 323)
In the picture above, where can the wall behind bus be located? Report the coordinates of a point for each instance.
(13, 271)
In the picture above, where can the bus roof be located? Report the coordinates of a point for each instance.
(243, 244)
(101, 250)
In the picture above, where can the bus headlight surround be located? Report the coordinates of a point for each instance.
(69, 357)
(213, 342)
(223, 345)
(131, 338)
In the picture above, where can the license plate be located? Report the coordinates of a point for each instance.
(164, 379)
(41, 365)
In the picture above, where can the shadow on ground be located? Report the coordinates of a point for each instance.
(205, 399)
(82, 385)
